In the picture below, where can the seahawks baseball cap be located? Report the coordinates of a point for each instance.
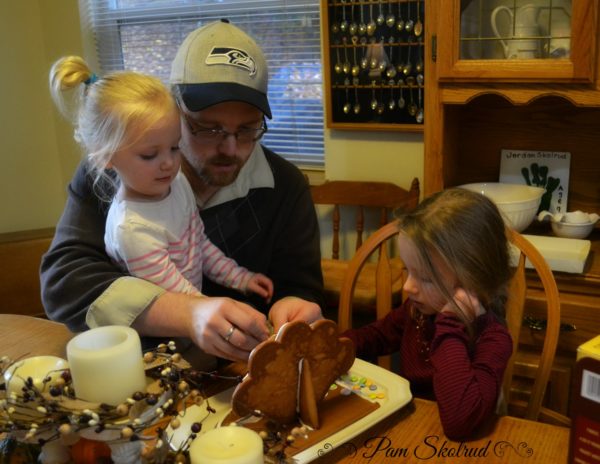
(218, 63)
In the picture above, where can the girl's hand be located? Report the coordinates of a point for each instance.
(261, 285)
(469, 307)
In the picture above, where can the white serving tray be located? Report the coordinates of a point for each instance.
(562, 254)
(396, 390)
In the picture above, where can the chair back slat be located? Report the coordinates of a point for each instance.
(335, 247)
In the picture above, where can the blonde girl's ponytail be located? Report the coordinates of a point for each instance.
(68, 73)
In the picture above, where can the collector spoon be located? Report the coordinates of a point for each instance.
(418, 30)
(383, 62)
(371, 25)
(392, 101)
(412, 106)
(346, 65)
(391, 69)
(409, 23)
(364, 61)
(419, 65)
(338, 64)
(374, 103)
(420, 115)
(344, 22)
(353, 27)
(401, 100)
(400, 64)
(347, 106)
(408, 66)
(362, 27)
(335, 27)
(400, 21)
(356, 107)
(380, 18)
(355, 66)
(380, 105)
(373, 62)
(390, 19)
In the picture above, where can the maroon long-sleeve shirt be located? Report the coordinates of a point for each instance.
(465, 377)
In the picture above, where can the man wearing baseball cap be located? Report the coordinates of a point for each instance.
(255, 205)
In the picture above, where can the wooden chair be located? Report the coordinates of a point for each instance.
(382, 197)
(532, 409)
(383, 278)
(515, 313)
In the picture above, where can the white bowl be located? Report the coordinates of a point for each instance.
(518, 203)
(572, 230)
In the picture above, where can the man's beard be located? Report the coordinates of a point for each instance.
(217, 179)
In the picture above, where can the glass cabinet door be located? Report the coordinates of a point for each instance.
(517, 40)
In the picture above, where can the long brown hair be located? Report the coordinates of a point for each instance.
(467, 231)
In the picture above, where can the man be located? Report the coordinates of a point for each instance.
(255, 205)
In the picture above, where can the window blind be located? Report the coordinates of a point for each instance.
(143, 35)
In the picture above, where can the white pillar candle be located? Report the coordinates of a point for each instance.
(106, 364)
(227, 445)
(36, 367)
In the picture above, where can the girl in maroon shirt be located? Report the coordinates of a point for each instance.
(450, 331)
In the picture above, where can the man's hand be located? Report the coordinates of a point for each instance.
(227, 328)
(219, 326)
(292, 308)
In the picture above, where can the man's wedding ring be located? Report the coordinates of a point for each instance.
(229, 333)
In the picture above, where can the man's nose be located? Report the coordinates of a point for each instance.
(229, 144)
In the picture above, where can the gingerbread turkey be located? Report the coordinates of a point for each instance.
(289, 376)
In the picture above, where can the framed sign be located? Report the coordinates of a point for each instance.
(547, 169)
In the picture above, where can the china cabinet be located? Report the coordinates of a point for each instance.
(521, 75)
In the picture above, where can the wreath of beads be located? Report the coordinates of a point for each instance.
(51, 410)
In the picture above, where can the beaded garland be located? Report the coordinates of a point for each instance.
(38, 414)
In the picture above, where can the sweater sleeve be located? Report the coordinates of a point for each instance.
(221, 269)
(381, 337)
(76, 269)
(467, 382)
(144, 249)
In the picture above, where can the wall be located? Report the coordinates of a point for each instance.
(38, 152)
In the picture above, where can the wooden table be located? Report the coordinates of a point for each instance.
(412, 435)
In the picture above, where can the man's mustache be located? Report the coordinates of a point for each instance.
(224, 160)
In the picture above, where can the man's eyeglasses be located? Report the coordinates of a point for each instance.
(218, 135)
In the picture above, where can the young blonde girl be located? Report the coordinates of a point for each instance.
(450, 331)
(129, 126)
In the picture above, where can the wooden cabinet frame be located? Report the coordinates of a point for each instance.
(578, 68)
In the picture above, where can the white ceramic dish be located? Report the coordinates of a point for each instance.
(397, 395)
(570, 230)
(562, 254)
(574, 224)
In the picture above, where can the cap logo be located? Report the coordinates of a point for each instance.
(232, 57)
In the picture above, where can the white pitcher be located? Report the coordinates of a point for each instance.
(523, 42)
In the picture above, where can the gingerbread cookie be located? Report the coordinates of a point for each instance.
(279, 386)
